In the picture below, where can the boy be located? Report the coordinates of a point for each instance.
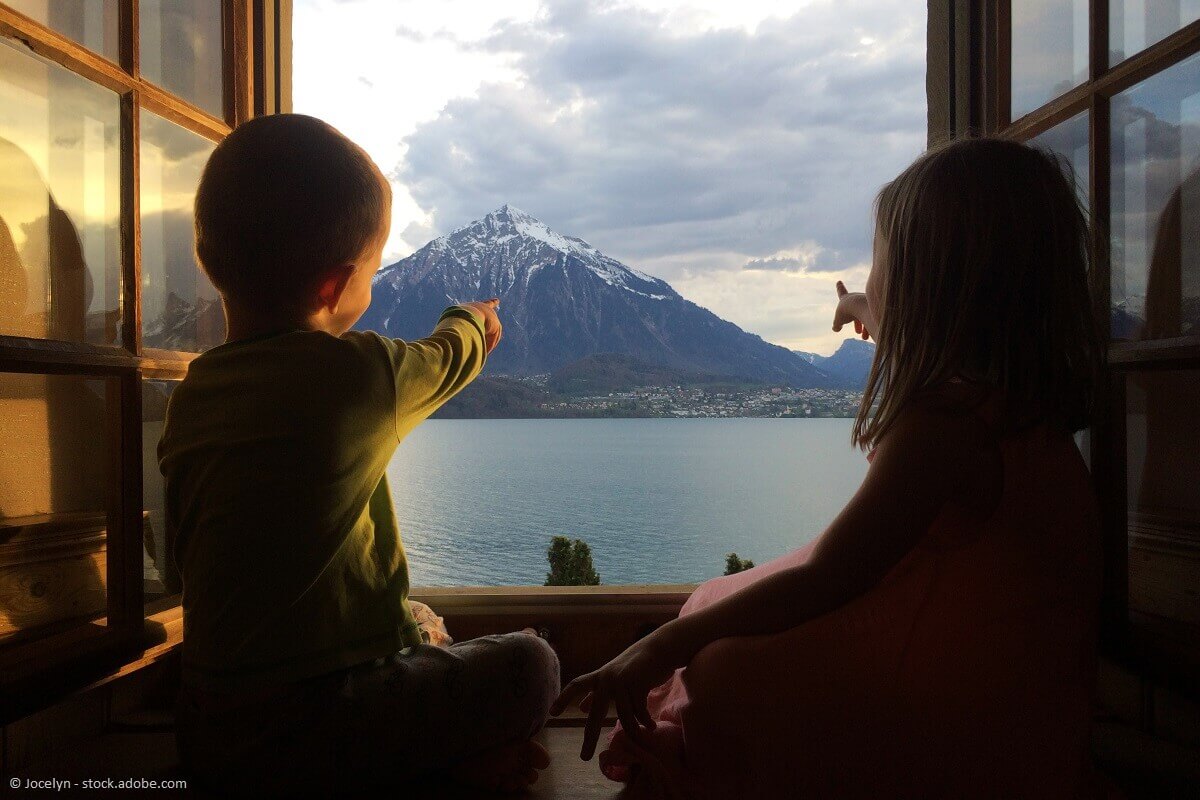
(303, 669)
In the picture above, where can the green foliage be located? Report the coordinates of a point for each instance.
(570, 563)
(734, 565)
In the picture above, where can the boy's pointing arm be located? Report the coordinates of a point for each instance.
(430, 371)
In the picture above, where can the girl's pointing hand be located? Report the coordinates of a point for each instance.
(852, 307)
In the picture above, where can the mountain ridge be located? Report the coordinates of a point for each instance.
(849, 365)
(562, 300)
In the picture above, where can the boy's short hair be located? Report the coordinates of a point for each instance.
(281, 199)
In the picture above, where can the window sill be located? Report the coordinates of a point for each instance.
(53, 669)
(647, 599)
(586, 625)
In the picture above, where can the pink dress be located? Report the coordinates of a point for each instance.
(967, 672)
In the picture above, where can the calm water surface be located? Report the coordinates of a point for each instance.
(658, 500)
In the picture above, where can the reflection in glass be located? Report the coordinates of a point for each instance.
(181, 50)
(94, 23)
(1156, 206)
(53, 501)
(1134, 25)
(1164, 506)
(60, 242)
(1049, 51)
(1070, 140)
(161, 577)
(180, 308)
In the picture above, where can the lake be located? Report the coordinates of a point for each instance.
(658, 500)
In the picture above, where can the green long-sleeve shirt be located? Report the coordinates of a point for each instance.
(273, 455)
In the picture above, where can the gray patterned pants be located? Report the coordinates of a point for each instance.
(379, 725)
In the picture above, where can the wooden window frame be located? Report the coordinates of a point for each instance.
(33, 673)
(970, 81)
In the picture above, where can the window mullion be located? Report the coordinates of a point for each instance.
(238, 74)
(1097, 39)
(131, 224)
(124, 540)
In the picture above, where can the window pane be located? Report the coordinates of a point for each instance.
(1134, 25)
(1070, 140)
(1156, 206)
(94, 23)
(180, 308)
(181, 50)
(1164, 506)
(53, 506)
(1049, 51)
(161, 578)
(60, 242)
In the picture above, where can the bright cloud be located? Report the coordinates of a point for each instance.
(733, 149)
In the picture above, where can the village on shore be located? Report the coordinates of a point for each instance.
(708, 402)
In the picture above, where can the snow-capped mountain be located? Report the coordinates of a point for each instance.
(562, 299)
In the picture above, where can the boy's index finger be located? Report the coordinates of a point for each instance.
(841, 289)
(493, 302)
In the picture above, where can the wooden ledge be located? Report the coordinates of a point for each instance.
(555, 600)
(50, 671)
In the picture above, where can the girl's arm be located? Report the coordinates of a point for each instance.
(924, 462)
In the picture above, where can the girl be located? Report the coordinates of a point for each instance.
(938, 639)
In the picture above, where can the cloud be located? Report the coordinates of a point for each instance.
(412, 34)
(659, 145)
(784, 263)
(811, 257)
(421, 37)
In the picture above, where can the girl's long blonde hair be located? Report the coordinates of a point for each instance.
(984, 260)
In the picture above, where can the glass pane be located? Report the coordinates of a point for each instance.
(60, 235)
(1134, 25)
(53, 501)
(1156, 206)
(180, 308)
(161, 578)
(94, 23)
(1049, 51)
(181, 50)
(1070, 140)
(1164, 506)
(1083, 440)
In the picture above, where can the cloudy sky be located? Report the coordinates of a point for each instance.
(731, 147)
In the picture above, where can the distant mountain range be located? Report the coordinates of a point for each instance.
(849, 366)
(563, 300)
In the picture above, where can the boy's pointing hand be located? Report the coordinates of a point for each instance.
(492, 329)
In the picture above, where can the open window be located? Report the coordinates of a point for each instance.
(1114, 87)
(108, 110)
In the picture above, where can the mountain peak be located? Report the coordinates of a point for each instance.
(511, 211)
(508, 220)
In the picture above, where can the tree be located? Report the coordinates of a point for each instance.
(570, 563)
(734, 565)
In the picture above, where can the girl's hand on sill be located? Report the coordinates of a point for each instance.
(624, 683)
